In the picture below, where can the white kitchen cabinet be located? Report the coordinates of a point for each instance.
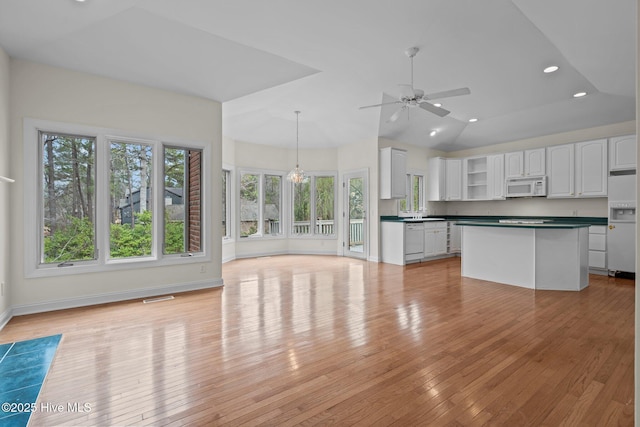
(577, 170)
(455, 238)
(453, 179)
(560, 166)
(534, 162)
(495, 177)
(393, 173)
(514, 164)
(598, 247)
(444, 180)
(435, 238)
(436, 179)
(622, 153)
(591, 168)
(525, 163)
(474, 178)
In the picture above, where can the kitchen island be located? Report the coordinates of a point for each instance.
(531, 254)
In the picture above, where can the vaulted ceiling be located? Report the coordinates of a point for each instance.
(326, 58)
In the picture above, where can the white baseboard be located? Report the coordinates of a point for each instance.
(5, 317)
(276, 253)
(112, 297)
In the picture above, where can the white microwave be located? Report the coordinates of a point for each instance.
(527, 186)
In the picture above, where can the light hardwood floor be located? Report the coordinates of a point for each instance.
(311, 340)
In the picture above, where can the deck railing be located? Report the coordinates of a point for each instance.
(322, 227)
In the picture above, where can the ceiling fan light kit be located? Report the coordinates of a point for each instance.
(412, 97)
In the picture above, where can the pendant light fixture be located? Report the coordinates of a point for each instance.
(296, 175)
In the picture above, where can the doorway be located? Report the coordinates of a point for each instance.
(355, 213)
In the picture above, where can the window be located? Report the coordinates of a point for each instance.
(68, 194)
(103, 200)
(130, 230)
(314, 198)
(260, 204)
(414, 202)
(272, 202)
(182, 200)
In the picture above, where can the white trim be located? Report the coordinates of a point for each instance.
(6, 317)
(66, 303)
(312, 175)
(32, 267)
(287, 252)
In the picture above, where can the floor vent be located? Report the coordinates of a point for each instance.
(158, 299)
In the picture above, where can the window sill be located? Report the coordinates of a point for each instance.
(115, 265)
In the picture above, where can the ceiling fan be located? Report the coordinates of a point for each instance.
(411, 97)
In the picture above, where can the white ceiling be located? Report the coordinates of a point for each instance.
(265, 59)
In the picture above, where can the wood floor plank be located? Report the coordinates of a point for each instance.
(321, 340)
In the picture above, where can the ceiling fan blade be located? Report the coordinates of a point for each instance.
(433, 109)
(395, 115)
(406, 91)
(379, 105)
(448, 93)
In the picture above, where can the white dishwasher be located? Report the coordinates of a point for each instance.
(413, 241)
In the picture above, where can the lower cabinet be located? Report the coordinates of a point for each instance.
(598, 247)
(455, 238)
(435, 238)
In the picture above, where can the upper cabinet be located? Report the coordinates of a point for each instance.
(514, 164)
(525, 163)
(591, 168)
(453, 179)
(622, 153)
(495, 177)
(474, 178)
(444, 179)
(483, 178)
(534, 162)
(436, 179)
(578, 170)
(393, 173)
(560, 165)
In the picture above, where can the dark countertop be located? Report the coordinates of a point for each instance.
(550, 224)
(575, 220)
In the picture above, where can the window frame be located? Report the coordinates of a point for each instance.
(312, 194)
(261, 173)
(33, 206)
(408, 200)
(229, 192)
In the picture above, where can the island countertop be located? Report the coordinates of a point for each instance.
(523, 224)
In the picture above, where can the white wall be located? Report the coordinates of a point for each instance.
(5, 190)
(55, 94)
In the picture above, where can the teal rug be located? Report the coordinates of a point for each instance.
(23, 368)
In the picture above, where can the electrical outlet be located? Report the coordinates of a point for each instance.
(203, 269)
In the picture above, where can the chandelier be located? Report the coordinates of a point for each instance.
(296, 175)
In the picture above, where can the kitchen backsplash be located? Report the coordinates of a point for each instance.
(591, 207)
(595, 207)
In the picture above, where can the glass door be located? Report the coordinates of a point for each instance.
(355, 213)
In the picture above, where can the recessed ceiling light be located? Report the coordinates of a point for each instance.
(433, 133)
(579, 94)
(473, 120)
(551, 69)
(437, 104)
